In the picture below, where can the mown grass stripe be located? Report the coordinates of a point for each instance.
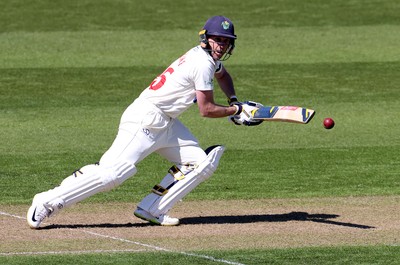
(125, 48)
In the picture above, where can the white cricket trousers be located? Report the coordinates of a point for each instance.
(145, 129)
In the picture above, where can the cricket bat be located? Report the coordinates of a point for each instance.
(284, 113)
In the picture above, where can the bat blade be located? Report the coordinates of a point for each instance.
(284, 114)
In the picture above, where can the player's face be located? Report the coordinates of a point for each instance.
(218, 45)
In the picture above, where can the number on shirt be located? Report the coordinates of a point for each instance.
(160, 80)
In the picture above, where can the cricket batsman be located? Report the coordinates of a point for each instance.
(150, 124)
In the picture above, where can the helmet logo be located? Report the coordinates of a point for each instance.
(225, 25)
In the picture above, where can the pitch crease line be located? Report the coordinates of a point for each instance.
(143, 244)
(164, 249)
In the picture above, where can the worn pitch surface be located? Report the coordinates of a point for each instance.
(205, 225)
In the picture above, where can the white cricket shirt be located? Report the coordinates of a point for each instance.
(174, 90)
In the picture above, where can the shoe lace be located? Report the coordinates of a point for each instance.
(166, 217)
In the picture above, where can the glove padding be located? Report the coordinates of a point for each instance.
(246, 116)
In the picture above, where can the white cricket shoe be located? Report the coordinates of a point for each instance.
(37, 213)
(163, 219)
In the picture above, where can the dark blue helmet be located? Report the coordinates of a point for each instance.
(218, 26)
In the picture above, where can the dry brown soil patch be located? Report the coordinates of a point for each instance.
(205, 225)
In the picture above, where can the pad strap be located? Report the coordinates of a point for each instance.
(176, 173)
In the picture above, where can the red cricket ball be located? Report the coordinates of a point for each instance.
(329, 123)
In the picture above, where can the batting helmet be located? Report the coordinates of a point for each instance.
(218, 26)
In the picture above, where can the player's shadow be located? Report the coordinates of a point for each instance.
(232, 219)
(292, 216)
(104, 225)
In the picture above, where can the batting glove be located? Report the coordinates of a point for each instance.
(245, 117)
(232, 100)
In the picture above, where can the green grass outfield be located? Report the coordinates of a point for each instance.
(68, 69)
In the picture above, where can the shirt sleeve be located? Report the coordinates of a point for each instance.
(203, 76)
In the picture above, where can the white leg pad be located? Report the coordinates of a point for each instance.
(175, 186)
(88, 181)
